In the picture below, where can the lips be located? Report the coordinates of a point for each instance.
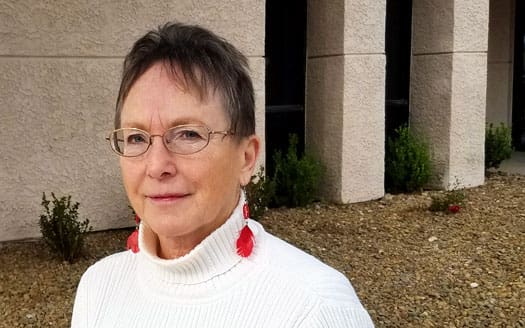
(168, 197)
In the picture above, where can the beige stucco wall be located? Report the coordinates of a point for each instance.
(448, 86)
(59, 72)
(500, 61)
(345, 95)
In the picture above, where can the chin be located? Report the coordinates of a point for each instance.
(168, 225)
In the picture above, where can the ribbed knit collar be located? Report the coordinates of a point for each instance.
(213, 257)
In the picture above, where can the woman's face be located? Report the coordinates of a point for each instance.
(182, 196)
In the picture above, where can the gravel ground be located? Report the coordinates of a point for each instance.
(409, 266)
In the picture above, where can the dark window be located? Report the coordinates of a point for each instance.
(285, 49)
(398, 53)
(518, 103)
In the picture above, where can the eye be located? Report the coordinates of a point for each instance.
(190, 134)
(186, 134)
(136, 138)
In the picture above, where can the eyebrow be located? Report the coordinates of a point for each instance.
(184, 121)
(133, 125)
(171, 124)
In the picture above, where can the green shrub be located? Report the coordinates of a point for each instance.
(60, 227)
(498, 145)
(259, 192)
(296, 179)
(443, 202)
(407, 162)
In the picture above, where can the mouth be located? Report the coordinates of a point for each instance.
(166, 198)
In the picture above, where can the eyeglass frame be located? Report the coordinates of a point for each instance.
(224, 133)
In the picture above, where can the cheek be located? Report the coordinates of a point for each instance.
(130, 175)
(219, 174)
(229, 173)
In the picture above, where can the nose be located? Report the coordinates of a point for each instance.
(160, 161)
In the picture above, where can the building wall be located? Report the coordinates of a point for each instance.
(60, 65)
(500, 62)
(59, 73)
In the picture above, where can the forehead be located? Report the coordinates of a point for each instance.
(160, 94)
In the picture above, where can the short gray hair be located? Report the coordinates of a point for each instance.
(199, 59)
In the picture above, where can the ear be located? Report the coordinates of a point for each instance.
(250, 153)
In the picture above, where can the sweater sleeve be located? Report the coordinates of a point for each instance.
(338, 315)
(79, 318)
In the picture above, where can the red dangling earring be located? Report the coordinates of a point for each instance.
(246, 240)
(133, 239)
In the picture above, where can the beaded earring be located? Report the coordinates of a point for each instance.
(133, 239)
(246, 240)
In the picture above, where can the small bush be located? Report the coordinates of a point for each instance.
(407, 162)
(259, 192)
(498, 145)
(449, 201)
(60, 227)
(296, 179)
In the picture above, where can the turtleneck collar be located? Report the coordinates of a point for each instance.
(210, 259)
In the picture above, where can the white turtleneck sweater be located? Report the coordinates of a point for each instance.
(278, 285)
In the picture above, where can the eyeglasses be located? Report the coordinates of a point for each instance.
(182, 139)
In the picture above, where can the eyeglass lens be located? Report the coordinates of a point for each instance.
(181, 140)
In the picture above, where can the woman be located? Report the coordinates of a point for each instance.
(185, 133)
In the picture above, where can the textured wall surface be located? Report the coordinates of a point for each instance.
(324, 124)
(364, 128)
(468, 103)
(500, 62)
(448, 86)
(54, 115)
(430, 98)
(108, 28)
(326, 23)
(345, 95)
(471, 21)
(60, 65)
(433, 26)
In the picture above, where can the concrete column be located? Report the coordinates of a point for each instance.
(500, 68)
(345, 96)
(448, 86)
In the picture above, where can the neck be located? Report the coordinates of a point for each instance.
(212, 257)
(174, 247)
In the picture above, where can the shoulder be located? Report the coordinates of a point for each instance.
(107, 277)
(306, 271)
(110, 267)
(335, 302)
